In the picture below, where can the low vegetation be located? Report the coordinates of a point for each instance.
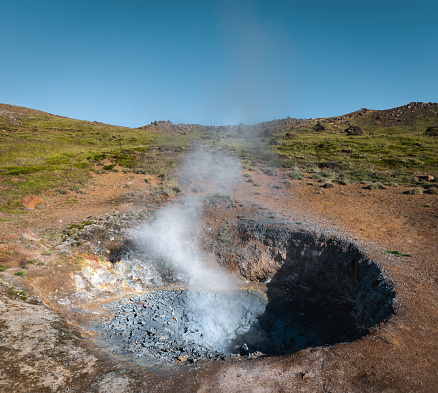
(392, 149)
(42, 153)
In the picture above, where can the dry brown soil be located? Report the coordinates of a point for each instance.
(41, 351)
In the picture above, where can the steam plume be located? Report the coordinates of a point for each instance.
(172, 236)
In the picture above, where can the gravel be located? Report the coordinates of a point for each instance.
(185, 325)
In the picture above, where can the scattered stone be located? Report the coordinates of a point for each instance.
(188, 325)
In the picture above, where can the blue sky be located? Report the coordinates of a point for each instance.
(130, 62)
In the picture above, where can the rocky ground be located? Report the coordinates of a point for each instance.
(72, 253)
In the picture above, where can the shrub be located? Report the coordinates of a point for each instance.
(295, 174)
(328, 185)
(432, 190)
(109, 167)
(414, 191)
(376, 186)
(20, 273)
(271, 172)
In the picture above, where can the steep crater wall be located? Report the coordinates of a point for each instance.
(325, 273)
(314, 290)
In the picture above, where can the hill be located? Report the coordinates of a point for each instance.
(43, 152)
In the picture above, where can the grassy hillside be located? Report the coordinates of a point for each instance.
(393, 148)
(40, 152)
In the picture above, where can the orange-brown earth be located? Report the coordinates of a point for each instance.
(43, 352)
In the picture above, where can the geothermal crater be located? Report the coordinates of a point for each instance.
(312, 290)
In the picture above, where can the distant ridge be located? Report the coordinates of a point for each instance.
(403, 114)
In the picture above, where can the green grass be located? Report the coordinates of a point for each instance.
(392, 155)
(397, 253)
(43, 152)
(18, 294)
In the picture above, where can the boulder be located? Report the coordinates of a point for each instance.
(426, 177)
(354, 130)
(318, 127)
(432, 131)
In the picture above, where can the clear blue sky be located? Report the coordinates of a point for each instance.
(129, 62)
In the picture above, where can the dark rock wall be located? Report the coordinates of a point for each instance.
(316, 268)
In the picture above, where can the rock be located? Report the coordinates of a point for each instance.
(318, 127)
(426, 178)
(244, 350)
(182, 358)
(34, 201)
(289, 135)
(432, 131)
(354, 131)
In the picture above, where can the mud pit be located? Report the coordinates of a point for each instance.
(314, 292)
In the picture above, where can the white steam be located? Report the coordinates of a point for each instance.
(172, 236)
